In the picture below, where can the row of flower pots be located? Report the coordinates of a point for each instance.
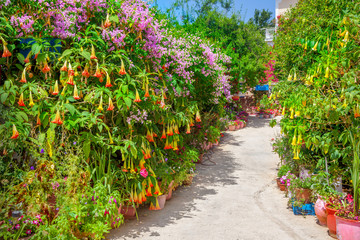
(236, 125)
(338, 227)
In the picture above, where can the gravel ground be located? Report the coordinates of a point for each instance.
(235, 199)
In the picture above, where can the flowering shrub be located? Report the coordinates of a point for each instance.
(106, 96)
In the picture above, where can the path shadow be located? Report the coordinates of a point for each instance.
(256, 122)
(182, 204)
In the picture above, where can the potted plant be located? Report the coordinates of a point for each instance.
(347, 218)
(301, 187)
(232, 125)
(281, 176)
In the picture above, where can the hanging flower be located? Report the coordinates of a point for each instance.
(111, 105)
(86, 73)
(64, 67)
(97, 72)
(110, 139)
(163, 134)
(176, 129)
(100, 108)
(188, 129)
(327, 72)
(76, 95)
(21, 100)
(6, 52)
(57, 119)
(147, 91)
(107, 22)
(56, 89)
(23, 76)
(316, 46)
(93, 56)
(46, 67)
(15, 132)
(122, 68)
(198, 119)
(170, 131)
(148, 192)
(71, 80)
(71, 71)
(31, 100)
(157, 189)
(149, 136)
(137, 97)
(38, 121)
(108, 82)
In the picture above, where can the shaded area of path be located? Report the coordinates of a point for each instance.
(235, 199)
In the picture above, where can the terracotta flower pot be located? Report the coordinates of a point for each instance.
(232, 128)
(237, 127)
(320, 211)
(281, 186)
(201, 156)
(170, 189)
(128, 212)
(303, 194)
(162, 200)
(331, 220)
(242, 124)
(347, 229)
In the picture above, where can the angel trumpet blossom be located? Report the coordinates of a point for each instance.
(122, 69)
(163, 134)
(198, 118)
(147, 91)
(86, 73)
(64, 67)
(57, 119)
(137, 97)
(56, 89)
(76, 95)
(188, 129)
(107, 22)
(93, 56)
(97, 72)
(15, 134)
(111, 105)
(100, 108)
(46, 67)
(23, 76)
(71, 71)
(21, 100)
(108, 81)
(71, 80)
(38, 121)
(6, 52)
(31, 100)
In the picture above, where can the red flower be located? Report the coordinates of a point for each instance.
(21, 101)
(46, 68)
(6, 52)
(15, 132)
(57, 119)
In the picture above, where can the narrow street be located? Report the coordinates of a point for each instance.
(235, 199)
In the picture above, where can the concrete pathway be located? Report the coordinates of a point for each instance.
(235, 199)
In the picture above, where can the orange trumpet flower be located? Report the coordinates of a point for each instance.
(163, 134)
(46, 67)
(6, 52)
(122, 69)
(71, 72)
(21, 100)
(147, 91)
(86, 73)
(111, 105)
(148, 192)
(57, 119)
(97, 72)
(38, 121)
(93, 56)
(108, 82)
(76, 95)
(23, 76)
(100, 108)
(137, 97)
(71, 80)
(15, 132)
(56, 89)
(188, 129)
(64, 67)
(198, 118)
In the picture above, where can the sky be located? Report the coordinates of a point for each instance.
(247, 7)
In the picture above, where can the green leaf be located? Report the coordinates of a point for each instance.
(41, 57)
(85, 54)
(35, 48)
(4, 96)
(86, 148)
(50, 135)
(22, 117)
(41, 138)
(67, 52)
(114, 18)
(20, 57)
(128, 101)
(125, 88)
(70, 108)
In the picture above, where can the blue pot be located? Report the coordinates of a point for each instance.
(30, 41)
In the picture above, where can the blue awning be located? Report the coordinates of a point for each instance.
(262, 88)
